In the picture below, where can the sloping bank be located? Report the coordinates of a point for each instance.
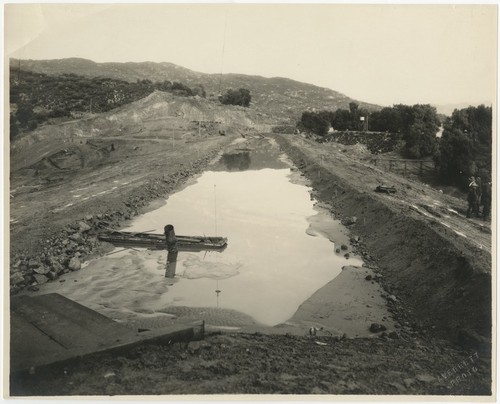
(444, 286)
(65, 248)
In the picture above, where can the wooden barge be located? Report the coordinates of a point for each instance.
(158, 241)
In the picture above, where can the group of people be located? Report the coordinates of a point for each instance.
(479, 195)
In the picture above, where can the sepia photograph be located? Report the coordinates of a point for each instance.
(237, 201)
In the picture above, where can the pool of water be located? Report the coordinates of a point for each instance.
(279, 252)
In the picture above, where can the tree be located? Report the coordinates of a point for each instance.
(25, 114)
(315, 122)
(388, 119)
(454, 159)
(200, 91)
(341, 119)
(465, 147)
(420, 125)
(355, 116)
(240, 97)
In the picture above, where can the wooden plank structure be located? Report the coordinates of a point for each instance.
(159, 242)
(50, 329)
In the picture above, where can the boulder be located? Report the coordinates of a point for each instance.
(16, 278)
(40, 279)
(376, 327)
(33, 263)
(348, 221)
(74, 264)
(83, 227)
(368, 277)
(393, 335)
(41, 270)
(75, 237)
(55, 266)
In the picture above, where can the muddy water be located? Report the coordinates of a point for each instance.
(280, 251)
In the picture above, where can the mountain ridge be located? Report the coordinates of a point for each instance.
(281, 96)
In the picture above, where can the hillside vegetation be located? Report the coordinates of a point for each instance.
(464, 149)
(280, 97)
(37, 97)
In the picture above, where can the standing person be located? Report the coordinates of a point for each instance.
(472, 196)
(486, 199)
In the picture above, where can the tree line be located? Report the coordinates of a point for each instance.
(464, 148)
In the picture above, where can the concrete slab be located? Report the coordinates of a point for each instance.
(51, 328)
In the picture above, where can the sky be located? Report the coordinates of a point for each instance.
(383, 54)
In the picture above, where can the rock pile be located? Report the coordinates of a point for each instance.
(376, 142)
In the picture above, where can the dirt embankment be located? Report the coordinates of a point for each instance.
(54, 232)
(269, 364)
(440, 278)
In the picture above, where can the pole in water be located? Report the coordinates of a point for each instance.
(215, 209)
(218, 291)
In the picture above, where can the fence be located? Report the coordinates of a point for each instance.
(406, 167)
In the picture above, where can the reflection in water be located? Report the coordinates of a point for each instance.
(171, 264)
(217, 291)
(237, 161)
(172, 251)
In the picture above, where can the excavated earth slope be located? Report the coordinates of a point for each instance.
(436, 262)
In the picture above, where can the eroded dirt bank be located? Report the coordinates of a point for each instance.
(437, 271)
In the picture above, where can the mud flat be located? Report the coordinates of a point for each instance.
(441, 280)
(347, 306)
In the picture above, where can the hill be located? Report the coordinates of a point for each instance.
(284, 98)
